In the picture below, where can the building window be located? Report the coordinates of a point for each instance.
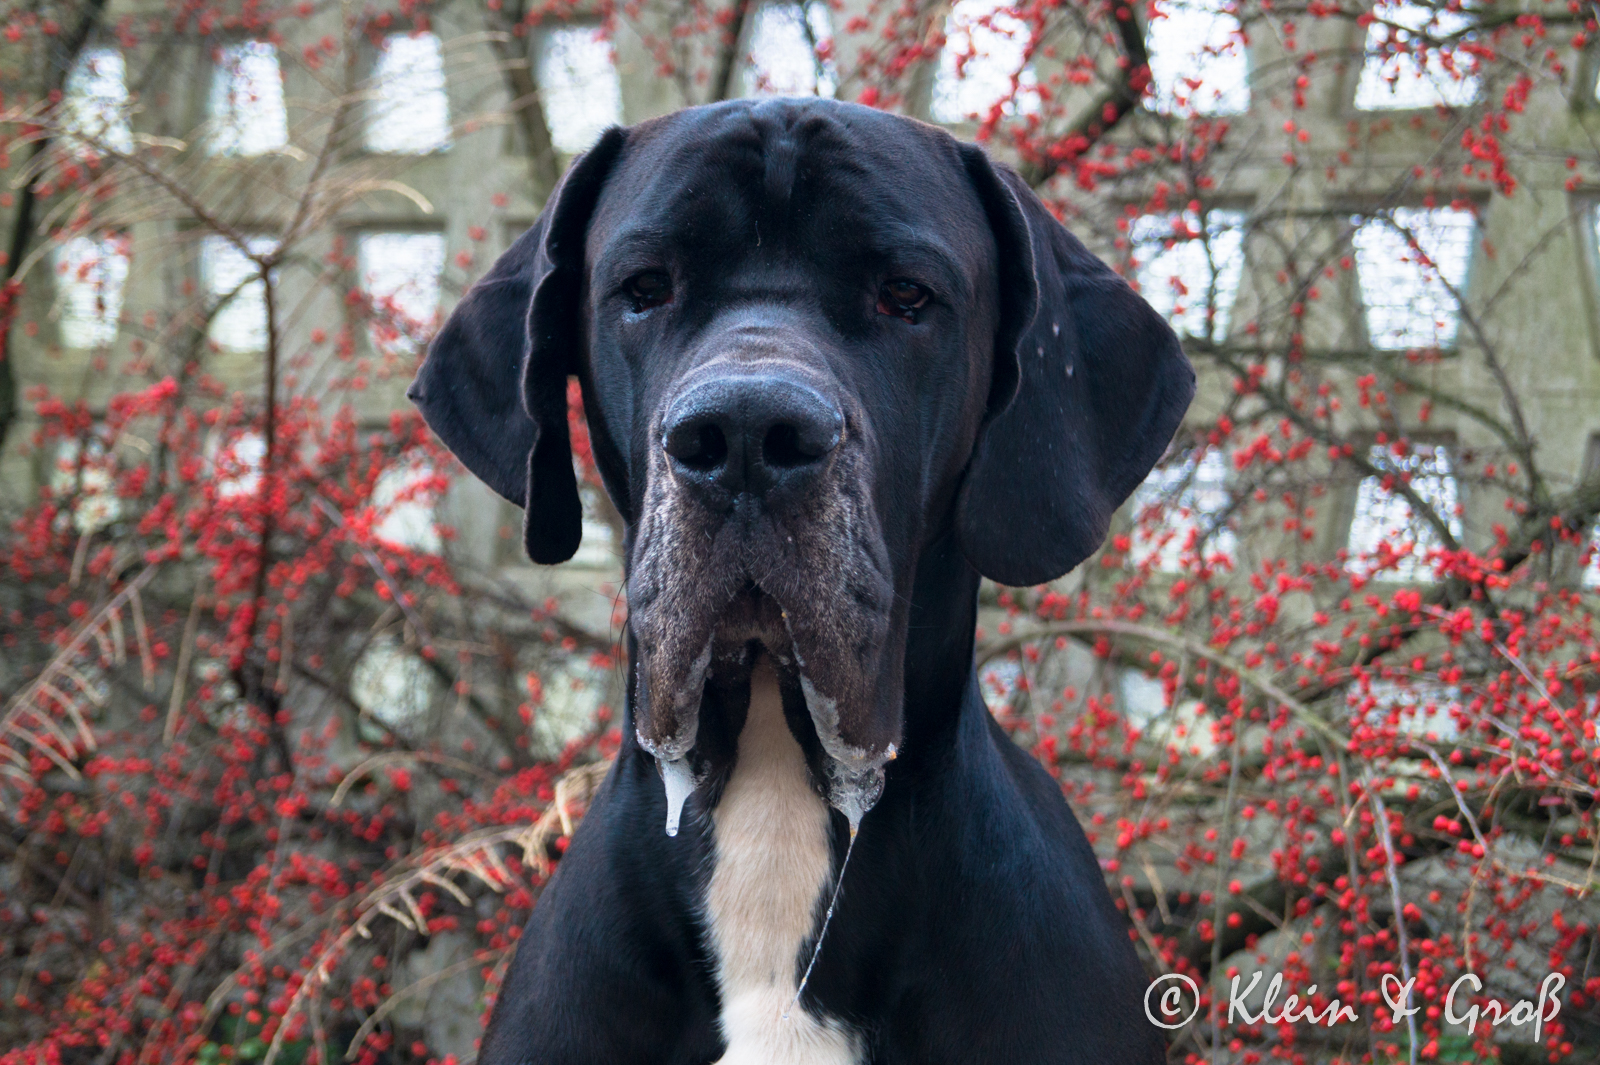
(575, 688)
(90, 275)
(579, 86)
(1402, 72)
(83, 479)
(236, 464)
(247, 112)
(984, 64)
(790, 49)
(400, 275)
(404, 499)
(1386, 538)
(1188, 272)
(1182, 507)
(409, 111)
(1407, 269)
(390, 683)
(94, 107)
(1425, 710)
(233, 282)
(1198, 60)
(1184, 727)
(1001, 681)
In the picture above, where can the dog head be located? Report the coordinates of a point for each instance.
(811, 337)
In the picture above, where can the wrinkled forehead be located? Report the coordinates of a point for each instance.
(838, 179)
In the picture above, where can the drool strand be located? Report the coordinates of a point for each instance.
(823, 931)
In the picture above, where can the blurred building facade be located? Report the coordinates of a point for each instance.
(442, 175)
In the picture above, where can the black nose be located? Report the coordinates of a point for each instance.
(750, 433)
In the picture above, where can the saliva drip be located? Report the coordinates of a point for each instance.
(855, 826)
(679, 780)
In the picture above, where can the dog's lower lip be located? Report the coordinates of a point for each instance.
(754, 625)
(678, 777)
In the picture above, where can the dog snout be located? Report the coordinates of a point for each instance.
(751, 433)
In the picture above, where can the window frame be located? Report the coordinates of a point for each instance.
(371, 56)
(212, 118)
(824, 71)
(1352, 501)
(80, 471)
(965, 121)
(59, 303)
(357, 275)
(1155, 105)
(538, 47)
(1217, 534)
(123, 138)
(1226, 207)
(206, 238)
(1357, 69)
(1361, 215)
(398, 477)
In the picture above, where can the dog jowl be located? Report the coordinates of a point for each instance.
(835, 365)
(758, 536)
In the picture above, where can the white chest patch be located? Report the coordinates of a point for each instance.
(773, 864)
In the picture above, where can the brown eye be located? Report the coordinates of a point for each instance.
(902, 299)
(649, 289)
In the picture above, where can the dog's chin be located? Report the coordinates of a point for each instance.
(716, 689)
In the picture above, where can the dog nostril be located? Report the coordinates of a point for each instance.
(713, 450)
(787, 445)
(746, 434)
(781, 447)
(700, 447)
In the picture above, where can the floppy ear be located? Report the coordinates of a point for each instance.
(1089, 385)
(494, 384)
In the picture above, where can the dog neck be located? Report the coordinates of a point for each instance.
(773, 868)
(940, 639)
(772, 856)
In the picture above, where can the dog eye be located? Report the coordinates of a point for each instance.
(649, 289)
(902, 299)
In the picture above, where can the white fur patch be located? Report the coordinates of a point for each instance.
(773, 863)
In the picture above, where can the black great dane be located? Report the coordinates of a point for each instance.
(836, 365)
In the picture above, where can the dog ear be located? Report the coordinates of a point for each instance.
(494, 383)
(1089, 385)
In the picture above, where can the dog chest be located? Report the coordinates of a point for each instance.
(773, 868)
